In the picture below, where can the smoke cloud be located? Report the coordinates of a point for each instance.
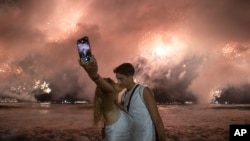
(181, 48)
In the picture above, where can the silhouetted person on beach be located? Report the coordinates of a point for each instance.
(118, 123)
(141, 105)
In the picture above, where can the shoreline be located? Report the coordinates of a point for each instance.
(173, 133)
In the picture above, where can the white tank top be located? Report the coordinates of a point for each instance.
(144, 129)
(121, 130)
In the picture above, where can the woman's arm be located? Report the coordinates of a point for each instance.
(92, 69)
(103, 84)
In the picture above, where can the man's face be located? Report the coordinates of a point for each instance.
(123, 80)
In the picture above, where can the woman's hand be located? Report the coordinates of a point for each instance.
(91, 67)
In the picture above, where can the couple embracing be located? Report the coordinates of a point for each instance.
(136, 118)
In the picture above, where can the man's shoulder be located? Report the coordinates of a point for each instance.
(145, 89)
(142, 88)
(141, 85)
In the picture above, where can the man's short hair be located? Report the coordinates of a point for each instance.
(126, 69)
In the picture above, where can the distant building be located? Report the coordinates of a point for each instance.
(8, 100)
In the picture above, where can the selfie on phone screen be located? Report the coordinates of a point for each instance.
(84, 49)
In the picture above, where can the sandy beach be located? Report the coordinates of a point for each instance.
(74, 122)
(193, 133)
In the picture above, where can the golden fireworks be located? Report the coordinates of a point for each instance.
(6, 68)
(18, 71)
(62, 23)
(234, 50)
(156, 48)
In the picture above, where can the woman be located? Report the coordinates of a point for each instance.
(118, 124)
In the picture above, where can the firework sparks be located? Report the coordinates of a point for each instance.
(18, 71)
(58, 30)
(63, 22)
(234, 50)
(5, 68)
(45, 87)
(157, 49)
(42, 86)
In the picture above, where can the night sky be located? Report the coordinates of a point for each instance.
(178, 47)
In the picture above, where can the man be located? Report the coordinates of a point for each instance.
(141, 105)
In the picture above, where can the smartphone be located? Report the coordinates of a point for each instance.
(84, 50)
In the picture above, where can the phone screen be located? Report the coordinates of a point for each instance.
(84, 49)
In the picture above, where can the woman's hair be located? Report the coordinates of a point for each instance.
(98, 102)
(98, 110)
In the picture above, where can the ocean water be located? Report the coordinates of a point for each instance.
(36, 121)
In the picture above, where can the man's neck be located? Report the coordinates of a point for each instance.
(130, 86)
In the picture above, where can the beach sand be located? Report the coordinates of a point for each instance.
(75, 122)
(188, 133)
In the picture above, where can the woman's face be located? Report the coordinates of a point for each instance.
(117, 87)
